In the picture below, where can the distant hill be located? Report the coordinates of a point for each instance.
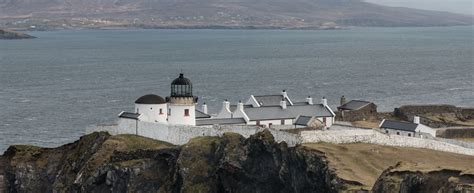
(9, 35)
(216, 14)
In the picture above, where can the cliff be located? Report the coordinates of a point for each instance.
(6, 34)
(102, 163)
(395, 180)
(126, 163)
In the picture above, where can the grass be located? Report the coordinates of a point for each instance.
(123, 143)
(367, 124)
(365, 162)
(134, 142)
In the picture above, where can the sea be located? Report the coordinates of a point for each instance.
(54, 86)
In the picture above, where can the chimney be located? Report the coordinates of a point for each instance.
(343, 100)
(283, 103)
(240, 106)
(416, 120)
(324, 101)
(226, 105)
(285, 95)
(204, 108)
(309, 100)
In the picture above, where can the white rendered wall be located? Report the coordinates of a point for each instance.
(273, 122)
(425, 129)
(375, 137)
(252, 101)
(398, 132)
(176, 116)
(225, 111)
(181, 134)
(151, 112)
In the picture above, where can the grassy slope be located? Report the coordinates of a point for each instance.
(365, 162)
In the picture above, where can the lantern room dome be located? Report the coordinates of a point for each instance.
(181, 87)
(150, 99)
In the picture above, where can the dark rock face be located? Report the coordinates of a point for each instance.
(5, 34)
(443, 181)
(207, 164)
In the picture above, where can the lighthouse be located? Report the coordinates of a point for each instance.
(181, 102)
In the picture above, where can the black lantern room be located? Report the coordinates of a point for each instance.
(181, 87)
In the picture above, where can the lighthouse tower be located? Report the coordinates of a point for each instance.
(181, 102)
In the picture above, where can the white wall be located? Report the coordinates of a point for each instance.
(398, 132)
(425, 129)
(225, 111)
(176, 117)
(151, 112)
(375, 137)
(252, 101)
(265, 123)
(329, 120)
(181, 134)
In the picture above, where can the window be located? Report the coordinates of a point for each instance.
(283, 122)
(386, 131)
(409, 134)
(270, 125)
(169, 111)
(151, 108)
(161, 111)
(186, 112)
(258, 123)
(398, 133)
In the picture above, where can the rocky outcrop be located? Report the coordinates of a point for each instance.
(446, 115)
(102, 163)
(6, 34)
(442, 181)
(229, 163)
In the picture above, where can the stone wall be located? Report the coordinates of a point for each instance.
(366, 113)
(180, 134)
(456, 132)
(375, 137)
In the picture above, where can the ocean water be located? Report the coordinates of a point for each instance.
(53, 87)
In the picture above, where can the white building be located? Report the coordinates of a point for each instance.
(263, 110)
(415, 129)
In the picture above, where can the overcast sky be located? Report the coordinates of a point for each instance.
(455, 6)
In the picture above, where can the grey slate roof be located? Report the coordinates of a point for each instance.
(300, 103)
(354, 105)
(270, 100)
(200, 115)
(233, 107)
(224, 121)
(303, 120)
(291, 112)
(398, 125)
(128, 115)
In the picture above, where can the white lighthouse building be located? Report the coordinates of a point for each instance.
(259, 110)
(181, 102)
(178, 109)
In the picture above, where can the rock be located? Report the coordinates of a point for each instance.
(206, 164)
(6, 34)
(394, 180)
(102, 163)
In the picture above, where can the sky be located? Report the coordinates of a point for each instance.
(455, 6)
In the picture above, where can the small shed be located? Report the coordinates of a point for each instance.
(357, 110)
